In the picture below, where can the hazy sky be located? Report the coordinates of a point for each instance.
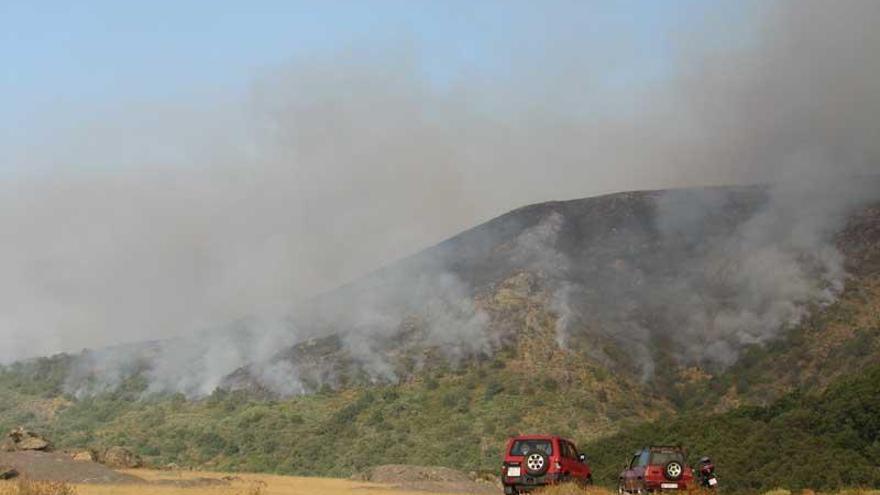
(170, 166)
(66, 59)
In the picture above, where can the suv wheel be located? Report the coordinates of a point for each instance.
(536, 463)
(674, 470)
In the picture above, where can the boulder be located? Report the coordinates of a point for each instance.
(121, 458)
(22, 439)
(33, 443)
(82, 455)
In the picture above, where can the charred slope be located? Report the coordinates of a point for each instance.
(839, 339)
(666, 288)
(649, 284)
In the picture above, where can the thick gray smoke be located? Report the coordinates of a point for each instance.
(332, 167)
(194, 365)
(692, 274)
(748, 285)
(801, 104)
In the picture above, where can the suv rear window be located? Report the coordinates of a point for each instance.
(521, 447)
(662, 458)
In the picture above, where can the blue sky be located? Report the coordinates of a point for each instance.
(58, 54)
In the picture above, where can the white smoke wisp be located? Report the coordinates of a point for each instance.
(454, 323)
(194, 365)
(434, 304)
(749, 285)
(696, 273)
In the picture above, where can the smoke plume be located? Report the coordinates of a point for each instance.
(244, 209)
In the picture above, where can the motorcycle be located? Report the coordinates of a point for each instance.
(707, 474)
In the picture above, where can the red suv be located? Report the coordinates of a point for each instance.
(531, 461)
(655, 469)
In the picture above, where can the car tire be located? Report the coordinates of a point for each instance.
(509, 490)
(536, 463)
(673, 470)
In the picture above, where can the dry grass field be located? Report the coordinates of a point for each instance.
(199, 483)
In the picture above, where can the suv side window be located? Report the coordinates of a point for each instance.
(634, 462)
(574, 451)
(645, 457)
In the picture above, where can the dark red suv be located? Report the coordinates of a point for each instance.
(531, 461)
(657, 468)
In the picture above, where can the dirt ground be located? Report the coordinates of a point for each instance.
(169, 483)
(52, 466)
(91, 478)
(430, 479)
(150, 482)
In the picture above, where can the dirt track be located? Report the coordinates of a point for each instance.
(428, 479)
(92, 477)
(269, 484)
(52, 466)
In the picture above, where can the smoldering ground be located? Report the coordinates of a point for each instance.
(332, 167)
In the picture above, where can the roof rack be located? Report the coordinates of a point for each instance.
(666, 448)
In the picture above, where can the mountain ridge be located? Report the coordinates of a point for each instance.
(629, 280)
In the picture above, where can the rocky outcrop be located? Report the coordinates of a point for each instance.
(22, 439)
(37, 465)
(121, 458)
(82, 455)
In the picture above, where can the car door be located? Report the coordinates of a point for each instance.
(640, 468)
(562, 457)
(635, 477)
(628, 475)
(578, 469)
(568, 459)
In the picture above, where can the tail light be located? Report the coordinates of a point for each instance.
(654, 473)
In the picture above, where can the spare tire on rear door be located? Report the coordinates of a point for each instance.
(536, 463)
(673, 470)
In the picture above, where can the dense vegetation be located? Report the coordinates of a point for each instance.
(824, 441)
(800, 412)
(457, 418)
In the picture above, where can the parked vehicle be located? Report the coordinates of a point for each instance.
(532, 461)
(707, 473)
(657, 468)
